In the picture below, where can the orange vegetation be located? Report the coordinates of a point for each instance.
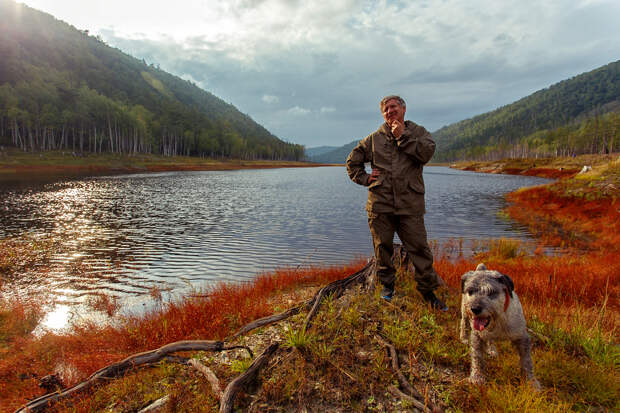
(556, 289)
(553, 173)
(578, 288)
(568, 221)
(214, 315)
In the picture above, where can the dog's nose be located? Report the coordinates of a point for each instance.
(476, 310)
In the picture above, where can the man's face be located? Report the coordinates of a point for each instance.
(393, 111)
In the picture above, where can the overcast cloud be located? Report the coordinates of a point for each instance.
(313, 72)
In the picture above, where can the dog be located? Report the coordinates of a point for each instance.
(491, 309)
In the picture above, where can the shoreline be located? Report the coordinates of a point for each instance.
(553, 168)
(16, 165)
(573, 324)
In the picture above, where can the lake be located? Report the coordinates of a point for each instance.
(124, 235)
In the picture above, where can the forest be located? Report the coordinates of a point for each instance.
(63, 89)
(599, 134)
(576, 116)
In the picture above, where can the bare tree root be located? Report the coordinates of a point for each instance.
(209, 375)
(337, 288)
(157, 406)
(261, 322)
(402, 380)
(118, 369)
(228, 398)
(417, 404)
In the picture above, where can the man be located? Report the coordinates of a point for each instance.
(397, 152)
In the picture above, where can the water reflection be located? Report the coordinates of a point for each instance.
(56, 319)
(125, 235)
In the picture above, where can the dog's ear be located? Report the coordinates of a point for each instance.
(507, 281)
(464, 278)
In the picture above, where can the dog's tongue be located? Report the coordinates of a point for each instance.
(479, 323)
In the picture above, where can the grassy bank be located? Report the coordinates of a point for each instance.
(560, 167)
(16, 164)
(571, 302)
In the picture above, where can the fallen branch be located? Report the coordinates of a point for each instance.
(228, 398)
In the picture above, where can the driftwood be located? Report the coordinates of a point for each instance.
(228, 398)
(118, 369)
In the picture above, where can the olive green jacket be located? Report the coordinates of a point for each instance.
(400, 187)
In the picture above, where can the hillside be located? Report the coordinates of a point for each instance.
(317, 150)
(541, 123)
(61, 88)
(580, 115)
(335, 155)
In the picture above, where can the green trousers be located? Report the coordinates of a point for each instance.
(412, 233)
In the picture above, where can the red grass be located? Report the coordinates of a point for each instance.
(551, 173)
(568, 221)
(554, 288)
(561, 281)
(90, 347)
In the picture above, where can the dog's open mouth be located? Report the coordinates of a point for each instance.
(480, 323)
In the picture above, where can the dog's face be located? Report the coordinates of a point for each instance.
(486, 295)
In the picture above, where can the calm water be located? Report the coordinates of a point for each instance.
(124, 235)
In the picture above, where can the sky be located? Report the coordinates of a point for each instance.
(313, 72)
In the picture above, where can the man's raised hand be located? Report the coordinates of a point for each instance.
(397, 128)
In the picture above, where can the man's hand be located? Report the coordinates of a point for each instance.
(397, 128)
(374, 175)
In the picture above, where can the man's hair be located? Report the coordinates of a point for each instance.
(397, 98)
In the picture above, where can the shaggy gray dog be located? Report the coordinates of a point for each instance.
(491, 310)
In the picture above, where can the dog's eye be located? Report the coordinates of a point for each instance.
(493, 293)
(470, 292)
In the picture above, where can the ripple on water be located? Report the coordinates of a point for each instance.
(125, 235)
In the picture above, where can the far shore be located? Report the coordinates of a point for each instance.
(19, 165)
(554, 168)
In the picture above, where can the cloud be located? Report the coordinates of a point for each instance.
(270, 99)
(297, 111)
(449, 59)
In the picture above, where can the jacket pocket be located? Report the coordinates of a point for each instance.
(417, 183)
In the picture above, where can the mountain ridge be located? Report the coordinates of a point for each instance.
(84, 95)
(574, 116)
